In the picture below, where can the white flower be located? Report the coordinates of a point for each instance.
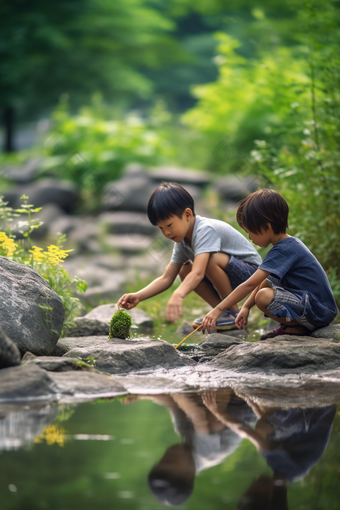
(260, 143)
(295, 105)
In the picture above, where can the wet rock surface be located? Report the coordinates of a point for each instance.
(54, 363)
(294, 368)
(289, 355)
(117, 356)
(32, 314)
(28, 383)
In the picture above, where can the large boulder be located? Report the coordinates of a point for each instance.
(9, 352)
(117, 356)
(31, 313)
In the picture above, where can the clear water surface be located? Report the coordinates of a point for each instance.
(195, 451)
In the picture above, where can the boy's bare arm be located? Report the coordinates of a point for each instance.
(195, 276)
(174, 306)
(159, 285)
(235, 297)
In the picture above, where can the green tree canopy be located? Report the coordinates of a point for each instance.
(79, 47)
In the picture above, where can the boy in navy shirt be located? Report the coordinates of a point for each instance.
(290, 286)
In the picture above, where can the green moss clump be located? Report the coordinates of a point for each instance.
(120, 324)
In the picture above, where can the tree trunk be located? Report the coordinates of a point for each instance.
(9, 129)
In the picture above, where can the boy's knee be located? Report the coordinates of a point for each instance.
(218, 259)
(185, 270)
(264, 297)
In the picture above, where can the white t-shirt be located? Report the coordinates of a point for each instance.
(210, 236)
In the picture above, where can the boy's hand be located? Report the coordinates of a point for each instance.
(128, 301)
(209, 321)
(174, 308)
(242, 318)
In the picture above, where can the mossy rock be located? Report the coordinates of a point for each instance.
(120, 325)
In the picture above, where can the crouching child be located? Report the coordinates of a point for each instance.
(290, 286)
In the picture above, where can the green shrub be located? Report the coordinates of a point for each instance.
(93, 147)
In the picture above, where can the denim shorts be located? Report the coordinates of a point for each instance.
(238, 271)
(286, 304)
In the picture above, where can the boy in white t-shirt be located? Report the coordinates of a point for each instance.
(210, 256)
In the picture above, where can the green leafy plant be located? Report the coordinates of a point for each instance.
(48, 262)
(91, 148)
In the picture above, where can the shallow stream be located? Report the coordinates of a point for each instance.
(197, 451)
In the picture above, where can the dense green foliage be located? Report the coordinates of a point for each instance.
(286, 100)
(274, 82)
(93, 147)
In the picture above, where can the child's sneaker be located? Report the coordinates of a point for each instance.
(224, 322)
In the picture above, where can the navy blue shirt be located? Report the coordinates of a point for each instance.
(299, 272)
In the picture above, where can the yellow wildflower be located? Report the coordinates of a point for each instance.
(52, 435)
(8, 245)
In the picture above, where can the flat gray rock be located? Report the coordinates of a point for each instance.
(56, 364)
(88, 327)
(290, 354)
(30, 383)
(216, 342)
(332, 331)
(183, 176)
(31, 313)
(123, 356)
(133, 224)
(81, 386)
(184, 329)
(25, 383)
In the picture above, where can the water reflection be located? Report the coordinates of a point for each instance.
(212, 425)
(20, 425)
(210, 428)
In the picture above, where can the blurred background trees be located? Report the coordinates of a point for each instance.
(225, 86)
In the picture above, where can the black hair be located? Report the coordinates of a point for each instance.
(262, 207)
(169, 199)
(170, 489)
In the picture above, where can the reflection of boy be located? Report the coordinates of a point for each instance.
(291, 441)
(206, 443)
(210, 256)
(290, 285)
